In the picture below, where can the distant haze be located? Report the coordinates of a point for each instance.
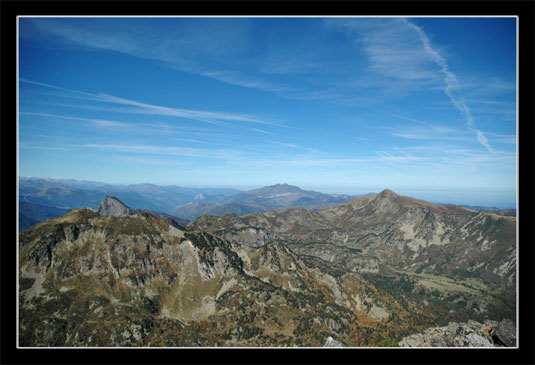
(495, 199)
(499, 199)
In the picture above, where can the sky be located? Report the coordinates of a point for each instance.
(423, 106)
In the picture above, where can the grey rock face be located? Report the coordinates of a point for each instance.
(249, 236)
(505, 333)
(471, 334)
(331, 342)
(112, 206)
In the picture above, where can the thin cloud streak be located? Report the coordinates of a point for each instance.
(146, 128)
(149, 149)
(145, 108)
(332, 162)
(152, 161)
(239, 80)
(294, 146)
(406, 118)
(164, 52)
(452, 85)
(395, 52)
(97, 122)
(184, 113)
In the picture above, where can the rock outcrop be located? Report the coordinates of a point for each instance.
(471, 334)
(331, 342)
(112, 206)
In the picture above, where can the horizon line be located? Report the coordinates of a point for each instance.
(321, 189)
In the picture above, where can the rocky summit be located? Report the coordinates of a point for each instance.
(112, 206)
(370, 272)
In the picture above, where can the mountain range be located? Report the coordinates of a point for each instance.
(71, 194)
(57, 196)
(179, 202)
(367, 272)
(279, 196)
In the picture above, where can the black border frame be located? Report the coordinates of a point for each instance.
(525, 11)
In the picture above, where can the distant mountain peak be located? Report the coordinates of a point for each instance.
(283, 188)
(144, 184)
(112, 206)
(387, 193)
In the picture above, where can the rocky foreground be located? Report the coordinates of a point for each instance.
(471, 334)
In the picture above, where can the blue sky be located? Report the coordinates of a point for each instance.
(423, 106)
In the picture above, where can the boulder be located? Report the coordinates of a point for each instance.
(504, 333)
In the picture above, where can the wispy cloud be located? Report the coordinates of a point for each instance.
(295, 146)
(503, 138)
(95, 122)
(248, 160)
(432, 132)
(153, 161)
(184, 47)
(398, 49)
(439, 149)
(190, 140)
(205, 116)
(216, 118)
(143, 128)
(197, 53)
(390, 47)
(130, 40)
(164, 150)
(236, 78)
(30, 145)
(336, 162)
(407, 118)
(69, 91)
(452, 85)
(451, 154)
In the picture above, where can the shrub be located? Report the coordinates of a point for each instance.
(389, 342)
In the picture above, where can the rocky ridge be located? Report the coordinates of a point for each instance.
(400, 232)
(449, 254)
(112, 206)
(225, 281)
(162, 286)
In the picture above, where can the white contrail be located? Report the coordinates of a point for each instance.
(452, 85)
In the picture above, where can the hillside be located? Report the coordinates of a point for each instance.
(160, 285)
(448, 252)
(258, 280)
(30, 214)
(195, 210)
